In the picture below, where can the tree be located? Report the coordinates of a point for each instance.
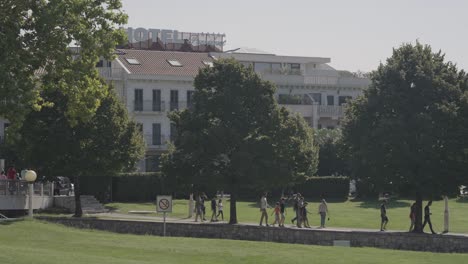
(331, 160)
(35, 39)
(236, 136)
(404, 133)
(109, 143)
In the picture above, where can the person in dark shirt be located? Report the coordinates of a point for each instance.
(383, 216)
(427, 217)
(282, 212)
(213, 210)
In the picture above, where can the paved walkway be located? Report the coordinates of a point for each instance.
(137, 217)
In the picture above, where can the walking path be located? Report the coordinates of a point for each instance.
(120, 216)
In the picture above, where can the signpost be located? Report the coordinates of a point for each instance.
(164, 205)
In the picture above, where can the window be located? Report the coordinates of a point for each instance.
(157, 100)
(276, 68)
(109, 64)
(156, 134)
(208, 63)
(132, 61)
(317, 97)
(174, 63)
(174, 104)
(343, 99)
(190, 99)
(99, 64)
(262, 67)
(138, 100)
(295, 66)
(330, 100)
(173, 132)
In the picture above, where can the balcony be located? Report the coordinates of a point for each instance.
(155, 142)
(149, 106)
(331, 110)
(111, 73)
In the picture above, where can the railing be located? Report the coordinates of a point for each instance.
(20, 187)
(331, 110)
(161, 106)
(156, 142)
(149, 106)
(106, 72)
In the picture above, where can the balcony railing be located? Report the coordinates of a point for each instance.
(149, 106)
(106, 72)
(156, 142)
(331, 110)
(155, 106)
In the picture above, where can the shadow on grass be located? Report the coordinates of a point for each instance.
(111, 208)
(377, 203)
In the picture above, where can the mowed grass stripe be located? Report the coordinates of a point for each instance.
(39, 242)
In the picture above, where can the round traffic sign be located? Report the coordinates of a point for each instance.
(164, 204)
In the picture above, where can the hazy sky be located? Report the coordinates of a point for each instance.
(356, 35)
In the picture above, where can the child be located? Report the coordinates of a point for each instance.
(276, 211)
(220, 209)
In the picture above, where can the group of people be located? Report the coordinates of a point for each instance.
(412, 216)
(216, 208)
(11, 174)
(299, 207)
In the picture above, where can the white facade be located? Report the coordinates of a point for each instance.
(305, 85)
(152, 86)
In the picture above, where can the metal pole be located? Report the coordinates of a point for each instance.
(164, 225)
(31, 190)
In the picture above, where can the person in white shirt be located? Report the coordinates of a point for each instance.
(263, 209)
(323, 210)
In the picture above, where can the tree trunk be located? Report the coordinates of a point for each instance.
(418, 224)
(78, 210)
(233, 211)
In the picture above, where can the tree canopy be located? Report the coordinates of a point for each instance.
(35, 41)
(405, 133)
(237, 137)
(109, 143)
(331, 157)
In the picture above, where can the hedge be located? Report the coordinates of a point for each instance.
(139, 187)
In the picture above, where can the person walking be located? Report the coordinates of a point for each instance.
(203, 208)
(298, 205)
(198, 208)
(220, 209)
(323, 210)
(282, 212)
(412, 216)
(263, 209)
(11, 173)
(304, 212)
(277, 211)
(213, 210)
(383, 216)
(427, 217)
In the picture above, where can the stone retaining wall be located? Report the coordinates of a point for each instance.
(390, 240)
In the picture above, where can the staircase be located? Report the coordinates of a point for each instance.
(89, 204)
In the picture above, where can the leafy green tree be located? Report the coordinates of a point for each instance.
(35, 39)
(109, 143)
(331, 159)
(236, 136)
(404, 133)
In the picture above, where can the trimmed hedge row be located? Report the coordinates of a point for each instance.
(138, 187)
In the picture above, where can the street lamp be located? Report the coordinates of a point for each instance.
(30, 177)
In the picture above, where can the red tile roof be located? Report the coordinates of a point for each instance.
(155, 62)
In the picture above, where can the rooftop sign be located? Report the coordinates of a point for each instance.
(167, 36)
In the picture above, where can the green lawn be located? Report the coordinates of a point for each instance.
(352, 214)
(38, 242)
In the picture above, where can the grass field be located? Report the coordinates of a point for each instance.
(352, 214)
(38, 242)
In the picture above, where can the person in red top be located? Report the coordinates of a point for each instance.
(277, 211)
(11, 173)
